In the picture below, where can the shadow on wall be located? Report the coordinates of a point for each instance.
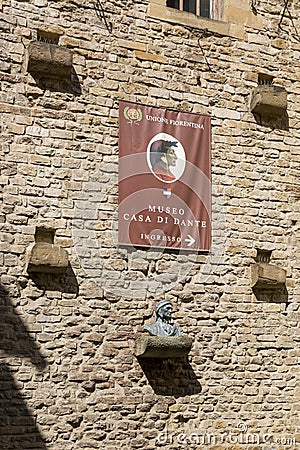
(66, 283)
(170, 377)
(15, 339)
(280, 123)
(17, 426)
(272, 296)
(69, 85)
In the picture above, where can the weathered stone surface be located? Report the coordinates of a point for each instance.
(269, 100)
(264, 275)
(47, 258)
(49, 60)
(69, 376)
(163, 347)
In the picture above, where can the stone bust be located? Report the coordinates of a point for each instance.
(163, 325)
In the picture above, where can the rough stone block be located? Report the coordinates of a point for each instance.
(47, 258)
(50, 60)
(150, 56)
(265, 275)
(163, 347)
(269, 100)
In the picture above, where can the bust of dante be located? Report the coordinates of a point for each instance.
(163, 325)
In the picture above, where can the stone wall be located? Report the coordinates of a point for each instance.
(69, 378)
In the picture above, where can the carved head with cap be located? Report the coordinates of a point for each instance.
(164, 310)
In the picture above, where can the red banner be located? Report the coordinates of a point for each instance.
(164, 178)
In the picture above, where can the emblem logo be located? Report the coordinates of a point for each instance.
(133, 115)
(167, 192)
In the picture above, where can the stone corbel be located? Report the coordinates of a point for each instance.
(267, 276)
(45, 257)
(49, 60)
(267, 280)
(270, 100)
(163, 346)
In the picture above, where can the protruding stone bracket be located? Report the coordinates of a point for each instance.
(269, 100)
(49, 60)
(267, 280)
(163, 346)
(45, 257)
(265, 275)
